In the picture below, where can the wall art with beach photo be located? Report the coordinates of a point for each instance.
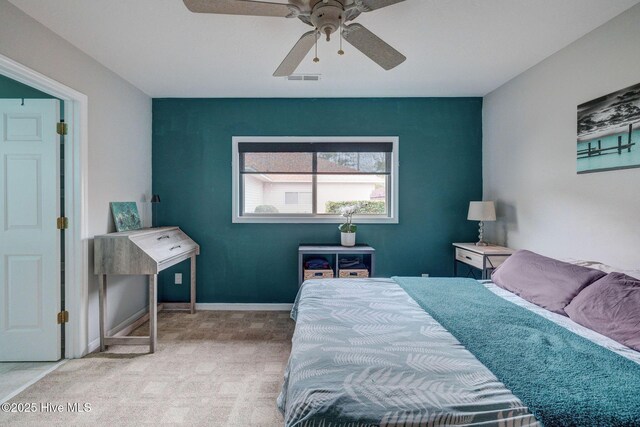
(609, 132)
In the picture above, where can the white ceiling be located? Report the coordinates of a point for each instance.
(454, 47)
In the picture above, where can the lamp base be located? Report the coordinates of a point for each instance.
(481, 241)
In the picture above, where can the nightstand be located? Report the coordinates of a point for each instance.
(484, 258)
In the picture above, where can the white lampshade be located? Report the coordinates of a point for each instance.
(482, 211)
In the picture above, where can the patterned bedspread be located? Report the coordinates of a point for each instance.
(365, 354)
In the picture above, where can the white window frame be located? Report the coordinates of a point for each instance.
(392, 218)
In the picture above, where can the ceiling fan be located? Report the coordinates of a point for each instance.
(326, 16)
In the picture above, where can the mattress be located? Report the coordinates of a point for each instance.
(366, 354)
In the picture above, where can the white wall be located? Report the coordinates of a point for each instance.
(119, 140)
(530, 153)
(274, 195)
(253, 193)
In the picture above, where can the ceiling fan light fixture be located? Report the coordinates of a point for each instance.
(327, 17)
(328, 32)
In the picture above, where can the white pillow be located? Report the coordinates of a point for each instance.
(604, 267)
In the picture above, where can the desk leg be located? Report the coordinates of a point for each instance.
(193, 284)
(455, 264)
(102, 304)
(153, 312)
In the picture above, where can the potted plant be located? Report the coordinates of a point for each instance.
(348, 229)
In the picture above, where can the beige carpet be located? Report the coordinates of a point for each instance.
(210, 368)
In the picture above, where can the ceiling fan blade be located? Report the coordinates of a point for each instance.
(297, 54)
(369, 5)
(373, 46)
(241, 7)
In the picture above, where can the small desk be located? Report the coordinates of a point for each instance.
(145, 252)
(484, 258)
(335, 252)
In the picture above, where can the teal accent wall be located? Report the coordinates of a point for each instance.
(10, 89)
(440, 172)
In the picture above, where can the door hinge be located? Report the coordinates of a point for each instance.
(62, 223)
(61, 128)
(63, 317)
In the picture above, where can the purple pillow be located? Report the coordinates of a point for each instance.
(611, 306)
(546, 282)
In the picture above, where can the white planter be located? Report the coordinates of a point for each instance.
(348, 239)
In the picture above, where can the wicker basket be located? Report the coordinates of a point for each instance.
(355, 273)
(318, 274)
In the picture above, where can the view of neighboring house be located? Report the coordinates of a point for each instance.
(277, 191)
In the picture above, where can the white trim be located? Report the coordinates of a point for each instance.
(315, 219)
(76, 243)
(29, 383)
(242, 307)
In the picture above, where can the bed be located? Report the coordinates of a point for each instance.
(366, 353)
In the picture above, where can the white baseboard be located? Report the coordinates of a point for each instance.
(243, 307)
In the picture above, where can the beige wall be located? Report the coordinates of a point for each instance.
(530, 153)
(119, 139)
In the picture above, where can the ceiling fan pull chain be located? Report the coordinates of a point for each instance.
(316, 59)
(341, 52)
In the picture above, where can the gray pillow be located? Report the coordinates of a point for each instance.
(546, 282)
(611, 306)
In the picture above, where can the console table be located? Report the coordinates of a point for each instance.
(145, 252)
(334, 252)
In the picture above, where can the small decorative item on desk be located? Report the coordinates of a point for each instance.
(481, 211)
(348, 229)
(126, 216)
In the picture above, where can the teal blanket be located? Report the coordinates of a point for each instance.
(564, 379)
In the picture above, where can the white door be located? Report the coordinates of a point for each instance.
(29, 238)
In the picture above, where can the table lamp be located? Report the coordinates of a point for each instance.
(155, 199)
(481, 211)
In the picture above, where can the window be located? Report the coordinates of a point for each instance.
(278, 179)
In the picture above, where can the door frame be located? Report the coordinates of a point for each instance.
(76, 206)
